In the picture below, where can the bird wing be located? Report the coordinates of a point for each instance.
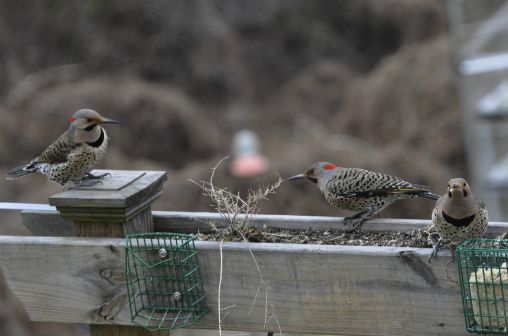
(353, 182)
(382, 191)
(480, 203)
(439, 204)
(58, 151)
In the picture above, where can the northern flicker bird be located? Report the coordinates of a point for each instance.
(73, 155)
(458, 215)
(360, 190)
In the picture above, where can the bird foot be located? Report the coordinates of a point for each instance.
(435, 249)
(351, 223)
(90, 176)
(354, 222)
(84, 183)
(89, 180)
(433, 238)
(453, 247)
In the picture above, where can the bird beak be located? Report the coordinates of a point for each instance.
(296, 177)
(455, 190)
(454, 187)
(109, 121)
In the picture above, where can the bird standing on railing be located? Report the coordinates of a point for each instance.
(360, 190)
(73, 155)
(458, 215)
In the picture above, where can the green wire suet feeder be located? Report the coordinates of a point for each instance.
(164, 283)
(483, 276)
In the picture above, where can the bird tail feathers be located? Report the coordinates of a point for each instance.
(21, 170)
(423, 191)
(427, 193)
(430, 195)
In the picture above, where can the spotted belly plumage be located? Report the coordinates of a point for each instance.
(457, 230)
(80, 160)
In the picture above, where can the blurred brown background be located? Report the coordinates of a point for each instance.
(359, 83)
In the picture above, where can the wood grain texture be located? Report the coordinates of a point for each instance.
(47, 223)
(335, 290)
(174, 221)
(136, 190)
(111, 330)
(98, 229)
(185, 222)
(181, 221)
(140, 223)
(120, 205)
(118, 297)
(203, 332)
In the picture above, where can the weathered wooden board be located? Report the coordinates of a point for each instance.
(203, 332)
(181, 221)
(335, 290)
(126, 188)
(47, 223)
(25, 206)
(173, 221)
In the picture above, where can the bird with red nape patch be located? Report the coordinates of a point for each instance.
(72, 156)
(360, 190)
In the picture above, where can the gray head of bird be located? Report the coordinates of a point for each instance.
(86, 119)
(84, 125)
(319, 173)
(458, 188)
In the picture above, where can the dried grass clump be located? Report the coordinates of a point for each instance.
(237, 212)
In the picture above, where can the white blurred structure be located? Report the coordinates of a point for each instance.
(497, 176)
(479, 33)
(495, 103)
(248, 161)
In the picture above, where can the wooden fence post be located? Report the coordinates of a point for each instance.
(118, 206)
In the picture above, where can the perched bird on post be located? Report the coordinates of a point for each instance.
(458, 215)
(360, 190)
(73, 155)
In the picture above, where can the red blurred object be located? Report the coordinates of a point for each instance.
(248, 161)
(249, 165)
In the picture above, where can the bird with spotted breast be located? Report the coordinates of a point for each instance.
(458, 215)
(69, 160)
(360, 190)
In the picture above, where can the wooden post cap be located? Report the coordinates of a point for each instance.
(120, 196)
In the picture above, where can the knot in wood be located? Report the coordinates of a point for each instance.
(106, 273)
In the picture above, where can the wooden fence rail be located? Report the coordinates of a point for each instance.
(49, 222)
(336, 290)
(310, 289)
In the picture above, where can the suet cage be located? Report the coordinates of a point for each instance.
(163, 278)
(483, 276)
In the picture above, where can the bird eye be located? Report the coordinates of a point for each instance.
(89, 120)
